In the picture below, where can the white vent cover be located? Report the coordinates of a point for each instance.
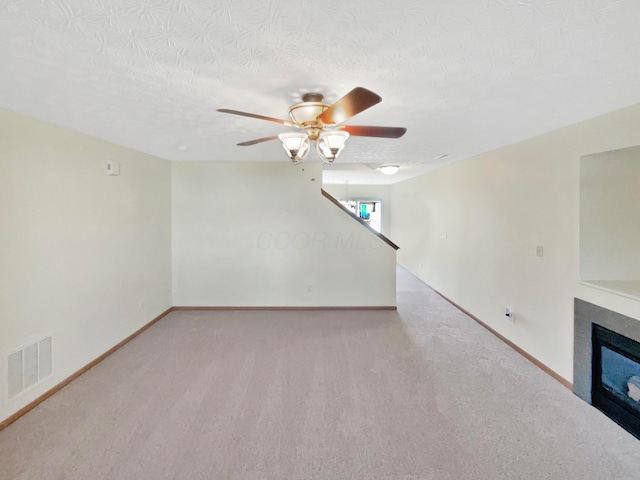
(14, 367)
(28, 366)
(45, 364)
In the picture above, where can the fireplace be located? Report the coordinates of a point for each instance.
(607, 363)
(616, 377)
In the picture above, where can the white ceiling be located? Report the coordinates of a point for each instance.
(464, 76)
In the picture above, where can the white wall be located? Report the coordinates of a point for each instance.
(383, 192)
(258, 234)
(495, 209)
(85, 257)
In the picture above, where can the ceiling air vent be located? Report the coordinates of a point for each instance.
(28, 365)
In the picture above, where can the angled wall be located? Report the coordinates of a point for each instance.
(471, 231)
(86, 257)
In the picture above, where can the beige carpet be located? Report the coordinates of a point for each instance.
(424, 393)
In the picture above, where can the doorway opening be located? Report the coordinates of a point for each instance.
(368, 209)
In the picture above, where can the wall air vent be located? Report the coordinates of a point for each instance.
(28, 366)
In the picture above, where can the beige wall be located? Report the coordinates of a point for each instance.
(495, 209)
(86, 257)
(261, 234)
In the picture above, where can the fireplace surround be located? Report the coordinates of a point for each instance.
(607, 363)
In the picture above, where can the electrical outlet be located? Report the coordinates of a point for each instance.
(539, 251)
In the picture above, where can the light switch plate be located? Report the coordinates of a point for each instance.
(113, 168)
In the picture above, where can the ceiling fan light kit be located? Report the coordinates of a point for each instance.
(296, 145)
(330, 144)
(321, 125)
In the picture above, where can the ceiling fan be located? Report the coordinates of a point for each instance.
(322, 124)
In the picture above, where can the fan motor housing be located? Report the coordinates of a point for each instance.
(312, 97)
(306, 113)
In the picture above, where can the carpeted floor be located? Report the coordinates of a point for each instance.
(424, 393)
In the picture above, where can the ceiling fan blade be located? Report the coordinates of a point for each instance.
(354, 102)
(258, 140)
(383, 132)
(259, 117)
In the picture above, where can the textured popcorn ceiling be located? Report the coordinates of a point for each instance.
(464, 76)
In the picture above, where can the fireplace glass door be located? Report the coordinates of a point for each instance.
(616, 378)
